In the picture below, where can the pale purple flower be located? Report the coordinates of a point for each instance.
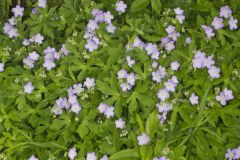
(125, 87)
(28, 62)
(230, 154)
(49, 64)
(109, 112)
(78, 88)
(102, 107)
(105, 157)
(89, 83)
(143, 139)
(122, 74)
(237, 153)
(224, 96)
(92, 25)
(72, 99)
(151, 48)
(7, 27)
(72, 153)
(121, 7)
(91, 156)
(159, 74)
(138, 43)
(120, 123)
(175, 65)
(170, 29)
(208, 31)
(217, 23)
(163, 94)
(63, 103)
(34, 10)
(91, 45)
(18, 11)
(42, 3)
(233, 23)
(225, 12)
(164, 41)
(38, 38)
(131, 78)
(13, 21)
(28, 88)
(110, 28)
(155, 64)
(178, 11)
(96, 11)
(199, 60)
(169, 85)
(193, 99)
(76, 108)
(170, 46)
(130, 61)
(180, 18)
(208, 62)
(160, 158)
(13, 32)
(33, 55)
(64, 49)
(1, 67)
(26, 42)
(214, 72)
(188, 40)
(108, 17)
(70, 91)
(57, 110)
(99, 15)
(174, 35)
(32, 158)
(163, 107)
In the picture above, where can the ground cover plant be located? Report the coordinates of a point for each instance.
(120, 80)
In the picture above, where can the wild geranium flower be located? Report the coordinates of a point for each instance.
(224, 96)
(76, 108)
(26, 42)
(122, 74)
(89, 83)
(91, 156)
(28, 62)
(108, 17)
(1, 67)
(163, 94)
(57, 110)
(48, 64)
(188, 40)
(170, 29)
(151, 48)
(193, 99)
(230, 154)
(159, 74)
(217, 23)
(175, 65)
(208, 31)
(33, 55)
(199, 59)
(109, 112)
(170, 46)
(92, 44)
(214, 72)
(233, 23)
(120, 123)
(160, 158)
(155, 64)
(64, 50)
(225, 12)
(237, 153)
(143, 139)
(178, 11)
(78, 88)
(42, 3)
(131, 78)
(18, 11)
(102, 107)
(208, 62)
(174, 35)
(13, 21)
(92, 25)
(38, 38)
(138, 43)
(32, 158)
(62, 103)
(164, 41)
(110, 28)
(169, 85)
(72, 99)
(105, 157)
(72, 153)
(28, 88)
(180, 18)
(130, 61)
(121, 7)
(163, 107)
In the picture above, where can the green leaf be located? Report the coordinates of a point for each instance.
(156, 6)
(124, 154)
(82, 130)
(139, 5)
(140, 123)
(152, 123)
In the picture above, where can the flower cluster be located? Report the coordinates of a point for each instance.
(159, 74)
(50, 55)
(168, 42)
(10, 28)
(93, 24)
(201, 61)
(218, 23)
(107, 110)
(30, 60)
(163, 109)
(224, 96)
(37, 39)
(127, 80)
(179, 15)
(233, 154)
